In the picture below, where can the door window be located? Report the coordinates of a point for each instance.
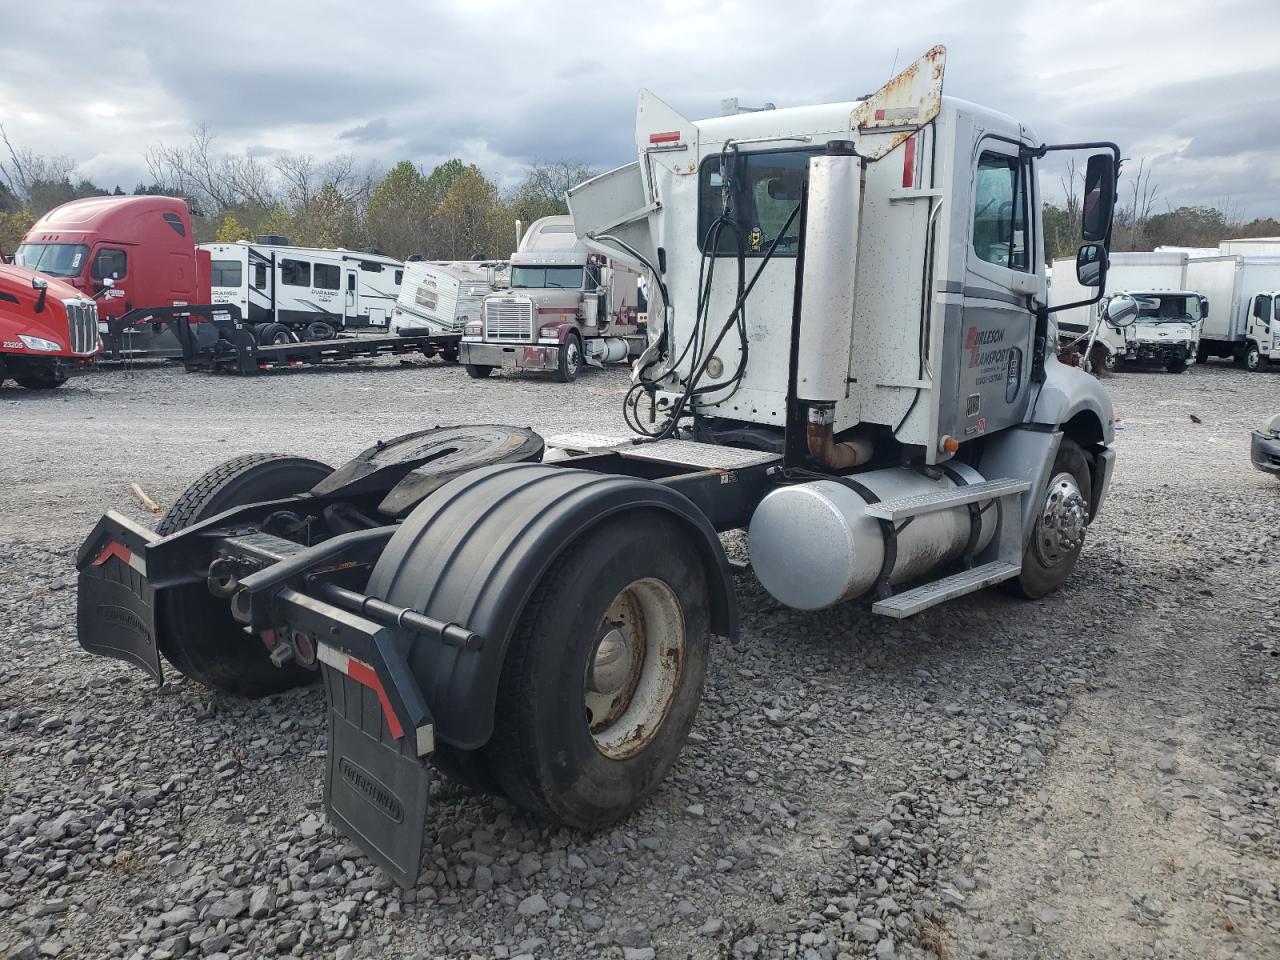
(260, 276)
(295, 273)
(110, 263)
(328, 276)
(1262, 307)
(1000, 212)
(351, 283)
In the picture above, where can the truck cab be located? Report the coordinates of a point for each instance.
(567, 307)
(143, 245)
(1166, 330)
(1262, 329)
(47, 328)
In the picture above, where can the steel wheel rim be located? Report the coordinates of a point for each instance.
(571, 356)
(633, 668)
(1251, 359)
(1060, 530)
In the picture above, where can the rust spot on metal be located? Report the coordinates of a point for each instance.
(899, 109)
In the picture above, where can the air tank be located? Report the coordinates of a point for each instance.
(813, 545)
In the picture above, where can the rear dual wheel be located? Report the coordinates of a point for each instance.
(602, 678)
(195, 630)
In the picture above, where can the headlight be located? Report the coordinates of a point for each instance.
(473, 329)
(551, 330)
(1271, 427)
(40, 343)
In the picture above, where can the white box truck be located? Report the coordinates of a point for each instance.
(1242, 292)
(1167, 329)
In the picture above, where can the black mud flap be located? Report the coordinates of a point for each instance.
(377, 788)
(115, 603)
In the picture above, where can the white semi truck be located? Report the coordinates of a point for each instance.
(1242, 321)
(567, 307)
(848, 357)
(1166, 330)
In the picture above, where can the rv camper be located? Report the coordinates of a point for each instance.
(440, 298)
(302, 293)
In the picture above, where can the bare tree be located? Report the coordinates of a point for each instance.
(26, 169)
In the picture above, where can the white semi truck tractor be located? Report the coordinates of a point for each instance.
(849, 358)
(568, 307)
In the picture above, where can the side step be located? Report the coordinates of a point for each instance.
(909, 602)
(920, 504)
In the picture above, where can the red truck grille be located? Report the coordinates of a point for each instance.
(82, 325)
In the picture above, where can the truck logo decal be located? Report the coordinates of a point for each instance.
(976, 339)
(372, 789)
(123, 617)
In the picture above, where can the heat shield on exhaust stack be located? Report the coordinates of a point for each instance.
(830, 259)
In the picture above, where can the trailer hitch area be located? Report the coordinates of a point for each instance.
(115, 602)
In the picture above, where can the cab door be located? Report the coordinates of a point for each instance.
(1000, 278)
(1261, 312)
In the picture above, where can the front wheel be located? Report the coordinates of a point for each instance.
(478, 371)
(570, 364)
(40, 376)
(1252, 358)
(604, 674)
(1177, 366)
(1055, 543)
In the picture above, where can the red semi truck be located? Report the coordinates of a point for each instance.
(47, 327)
(144, 245)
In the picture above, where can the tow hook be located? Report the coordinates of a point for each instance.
(222, 577)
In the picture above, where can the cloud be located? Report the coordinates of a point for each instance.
(1189, 86)
(372, 132)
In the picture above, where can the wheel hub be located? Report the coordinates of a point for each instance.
(632, 672)
(1062, 520)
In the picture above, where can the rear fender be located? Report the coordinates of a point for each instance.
(473, 552)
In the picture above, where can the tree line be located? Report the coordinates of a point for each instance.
(455, 212)
(1138, 225)
(452, 212)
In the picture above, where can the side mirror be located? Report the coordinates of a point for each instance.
(39, 283)
(108, 283)
(1099, 197)
(1204, 309)
(1089, 265)
(1121, 310)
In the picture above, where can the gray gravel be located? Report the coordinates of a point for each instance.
(1093, 775)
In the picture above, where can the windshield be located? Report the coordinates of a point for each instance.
(563, 278)
(55, 259)
(1167, 309)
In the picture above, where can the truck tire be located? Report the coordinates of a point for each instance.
(40, 378)
(1251, 359)
(1177, 366)
(477, 371)
(570, 364)
(319, 330)
(1202, 355)
(604, 673)
(1050, 553)
(273, 333)
(196, 632)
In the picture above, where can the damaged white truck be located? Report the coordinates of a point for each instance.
(849, 358)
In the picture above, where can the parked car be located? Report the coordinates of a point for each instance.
(1264, 446)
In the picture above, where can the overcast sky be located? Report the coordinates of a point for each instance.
(1194, 87)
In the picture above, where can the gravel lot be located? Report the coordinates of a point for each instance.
(1093, 775)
